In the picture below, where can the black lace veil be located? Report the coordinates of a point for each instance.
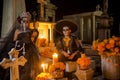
(16, 25)
(9, 39)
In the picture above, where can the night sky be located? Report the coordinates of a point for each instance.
(69, 7)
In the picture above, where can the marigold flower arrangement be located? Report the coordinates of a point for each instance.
(107, 47)
(84, 62)
(42, 42)
(57, 66)
(47, 51)
(56, 70)
(43, 76)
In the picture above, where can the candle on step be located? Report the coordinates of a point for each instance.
(43, 67)
(55, 58)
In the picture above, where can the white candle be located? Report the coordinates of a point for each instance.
(46, 67)
(43, 66)
(55, 58)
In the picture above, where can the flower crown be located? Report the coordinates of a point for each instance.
(24, 15)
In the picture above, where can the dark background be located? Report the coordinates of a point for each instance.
(68, 7)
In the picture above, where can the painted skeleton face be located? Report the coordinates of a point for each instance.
(66, 31)
(25, 22)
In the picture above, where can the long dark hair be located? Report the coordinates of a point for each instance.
(35, 38)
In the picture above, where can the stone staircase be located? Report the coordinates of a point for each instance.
(93, 54)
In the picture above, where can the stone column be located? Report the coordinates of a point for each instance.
(93, 18)
(11, 9)
(81, 28)
(89, 29)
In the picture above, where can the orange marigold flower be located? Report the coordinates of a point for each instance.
(102, 43)
(83, 61)
(116, 38)
(116, 49)
(101, 48)
(111, 41)
(58, 65)
(105, 41)
(111, 45)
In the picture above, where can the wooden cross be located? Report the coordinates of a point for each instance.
(13, 63)
(98, 8)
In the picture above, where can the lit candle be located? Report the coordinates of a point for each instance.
(46, 67)
(43, 66)
(42, 41)
(55, 58)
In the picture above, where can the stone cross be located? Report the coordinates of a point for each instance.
(13, 63)
(98, 8)
(42, 8)
(105, 6)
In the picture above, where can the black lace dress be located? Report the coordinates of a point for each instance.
(32, 68)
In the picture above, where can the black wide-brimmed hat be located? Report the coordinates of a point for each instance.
(66, 22)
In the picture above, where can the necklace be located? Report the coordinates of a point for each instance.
(22, 48)
(66, 40)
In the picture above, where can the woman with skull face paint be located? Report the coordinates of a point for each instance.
(20, 38)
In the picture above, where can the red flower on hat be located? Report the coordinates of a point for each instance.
(19, 19)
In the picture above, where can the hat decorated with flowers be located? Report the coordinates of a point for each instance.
(24, 15)
(66, 22)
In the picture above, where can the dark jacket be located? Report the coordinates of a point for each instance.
(73, 46)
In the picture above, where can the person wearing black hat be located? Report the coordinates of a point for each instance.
(68, 45)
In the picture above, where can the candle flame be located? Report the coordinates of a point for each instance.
(55, 58)
(55, 55)
(42, 65)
